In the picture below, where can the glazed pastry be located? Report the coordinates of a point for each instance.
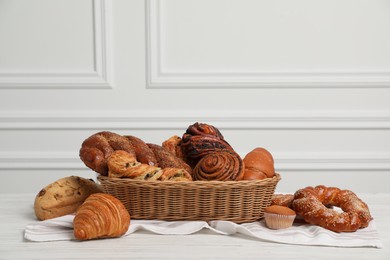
(200, 140)
(124, 165)
(63, 196)
(259, 164)
(143, 152)
(101, 216)
(220, 166)
(166, 159)
(174, 174)
(311, 203)
(97, 148)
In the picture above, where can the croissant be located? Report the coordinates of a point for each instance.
(101, 216)
(97, 148)
(200, 140)
(124, 165)
(222, 166)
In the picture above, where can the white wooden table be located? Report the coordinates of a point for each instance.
(16, 211)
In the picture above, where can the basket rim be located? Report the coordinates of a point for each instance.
(263, 182)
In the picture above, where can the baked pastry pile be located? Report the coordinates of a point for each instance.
(202, 153)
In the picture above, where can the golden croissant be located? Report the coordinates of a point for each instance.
(101, 216)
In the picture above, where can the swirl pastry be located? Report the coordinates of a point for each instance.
(101, 216)
(200, 140)
(222, 166)
(174, 174)
(97, 148)
(204, 129)
(124, 165)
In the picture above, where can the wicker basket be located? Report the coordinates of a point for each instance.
(237, 201)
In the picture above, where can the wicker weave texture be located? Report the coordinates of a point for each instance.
(236, 201)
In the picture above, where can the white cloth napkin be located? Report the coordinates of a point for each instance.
(300, 234)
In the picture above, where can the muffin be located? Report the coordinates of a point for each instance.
(279, 217)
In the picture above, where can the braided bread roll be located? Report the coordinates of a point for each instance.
(97, 148)
(143, 152)
(166, 159)
(282, 200)
(311, 203)
(101, 216)
(221, 166)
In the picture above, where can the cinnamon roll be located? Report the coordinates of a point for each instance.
(221, 166)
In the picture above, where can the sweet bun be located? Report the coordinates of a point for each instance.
(259, 164)
(250, 174)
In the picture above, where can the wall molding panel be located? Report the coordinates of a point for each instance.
(162, 77)
(286, 162)
(282, 120)
(97, 78)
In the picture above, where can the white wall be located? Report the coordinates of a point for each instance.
(308, 80)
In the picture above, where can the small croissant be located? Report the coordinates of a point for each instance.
(101, 216)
